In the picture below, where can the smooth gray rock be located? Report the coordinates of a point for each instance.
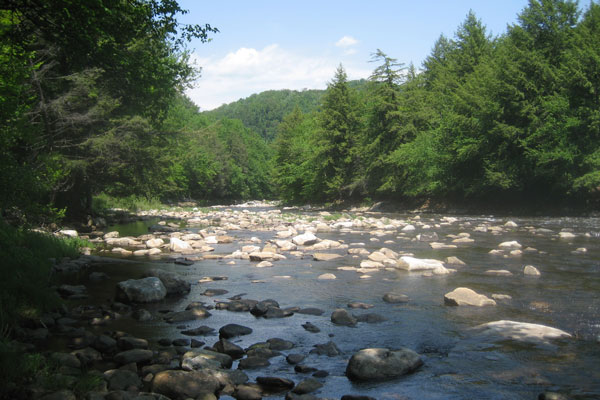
(121, 379)
(232, 330)
(181, 385)
(375, 364)
(342, 317)
(174, 283)
(253, 363)
(141, 290)
(135, 355)
(307, 386)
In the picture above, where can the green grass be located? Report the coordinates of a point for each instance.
(103, 202)
(333, 217)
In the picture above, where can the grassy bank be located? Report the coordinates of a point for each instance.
(25, 294)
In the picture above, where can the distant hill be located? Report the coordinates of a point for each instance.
(264, 111)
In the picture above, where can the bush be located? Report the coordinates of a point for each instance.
(104, 202)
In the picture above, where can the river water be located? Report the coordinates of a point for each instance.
(458, 363)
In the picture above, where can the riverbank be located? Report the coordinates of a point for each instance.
(308, 290)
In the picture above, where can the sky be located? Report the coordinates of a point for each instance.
(298, 44)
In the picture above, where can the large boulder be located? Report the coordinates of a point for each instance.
(418, 264)
(178, 245)
(467, 297)
(376, 364)
(174, 283)
(180, 385)
(306, 239)
(141, 290)
(522, 331)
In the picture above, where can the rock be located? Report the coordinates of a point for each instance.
(510, 245)
(264, 264)
(69, 232)
(522, 331)
(174, 283)
(311, 328)
(265, 256)
(566, 235)
(275, 383)
(66, 360)
(121, 379)
(262, 352)
(199, 362)
(141, 290)
(498, 272)
(370, 318)
(454, 261)
(130, 342)
(105, 344)
(280, 344)
(214, 292)
(466, 297)
(530, 270)
(178, 245)
(325, 256)
(253, 363)
(395, 298)
(223, 359)
(202, 330)
(111, 235)
(511, 224)
(497, 296)
(311, 311)
(232, 330)
(248, 392)
(376, 364)
(357, 304)
(306, 239)
(416, 264)
(327, 276)
(356, 397)
(295, 358)
(307, 386)
(133, 356)
(70, 290)
(187, 315)
(552, 396)
(263, 306)
(304, 369)
(441, 246)
(97, 276)
(181, 385)
(342, 317)
(154, 243)
(328, 349)
(275, 312)
(226, 347)
(141, 315)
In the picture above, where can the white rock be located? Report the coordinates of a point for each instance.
(250, 249)
(177, 245)
(154, 251)
(441, 246)
(510, 245)
(467, 297)
(454, 261)
(69, 232)
(370, 264)
(408, 228)
(417, 264)
(325, 256)
(306, 239)
(531, 270)
(264, 264)
(566, 235)
(153, 243)
(511, 224)
(497, 296)
(327, 276)
(498, 272)
(111, 235)
(522, 331)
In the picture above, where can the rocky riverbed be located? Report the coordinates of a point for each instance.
(256, 301)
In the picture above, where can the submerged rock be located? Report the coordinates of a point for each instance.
(375, 364)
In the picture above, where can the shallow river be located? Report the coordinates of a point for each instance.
(459, 364)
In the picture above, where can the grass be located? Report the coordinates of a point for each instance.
(103, 202)
(25, 293)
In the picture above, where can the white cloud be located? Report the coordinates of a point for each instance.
(346, 41)
(247, 71)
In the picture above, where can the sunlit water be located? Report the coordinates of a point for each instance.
(459, 364)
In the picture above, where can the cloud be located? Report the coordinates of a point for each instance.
(346, 41)
(247, 71)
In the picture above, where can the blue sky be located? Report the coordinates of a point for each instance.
(267, 44)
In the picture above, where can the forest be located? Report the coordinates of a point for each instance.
(94, 108)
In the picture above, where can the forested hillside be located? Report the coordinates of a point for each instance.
(509, 118)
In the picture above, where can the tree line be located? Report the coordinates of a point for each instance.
(493, 119)
(92, 102)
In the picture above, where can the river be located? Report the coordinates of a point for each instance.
(458, 362)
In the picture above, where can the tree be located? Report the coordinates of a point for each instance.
(339, 132)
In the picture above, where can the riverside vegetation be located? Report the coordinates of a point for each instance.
(93, 116)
